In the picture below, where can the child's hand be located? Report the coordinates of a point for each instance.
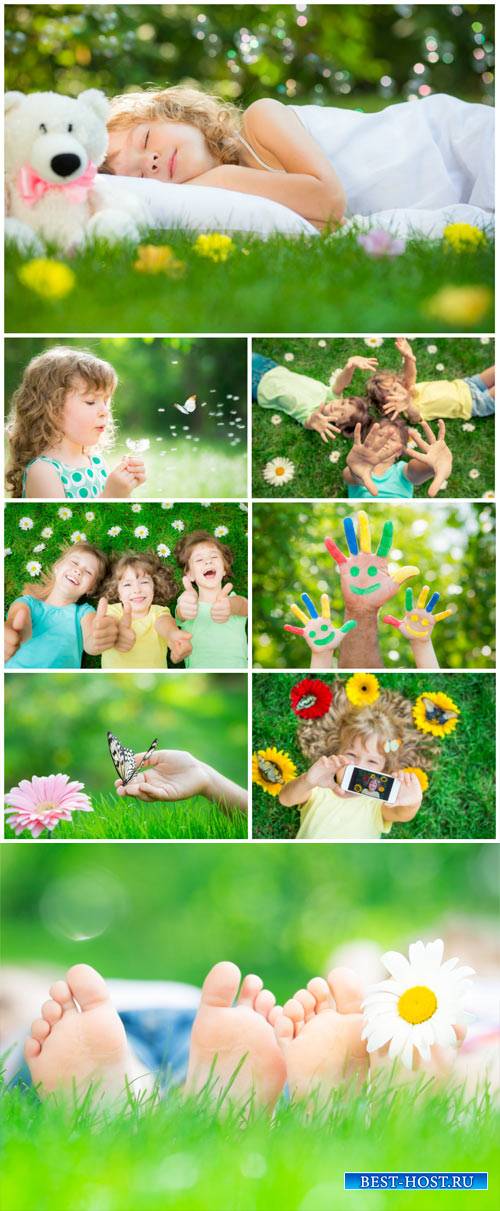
(19, 616)
(410, 790)
(187, 604)
(365, 579)
(435, 454)
(104, 630)
(180, 646)
(419, 621)
(404, 348)
(323, 773)
(394, 408)
(169, 774)
(122, 481)
(364, 456)
(321, 423)
(136, 467)
(363, 363)
(318, 631)
(126, 634)
(221, 609)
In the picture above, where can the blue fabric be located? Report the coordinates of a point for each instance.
(260, 367)
(483, 403)
(57, 638)
(394, 483)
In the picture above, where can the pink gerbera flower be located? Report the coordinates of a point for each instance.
(380, 243)
(41, 803)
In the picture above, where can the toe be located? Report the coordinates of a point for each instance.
(61, 993)
(87, 986)
(284, 1029)
(346, 989)
(264, 1002)
(32, 1048)
(307, 1001)
(40, 1029)
(250, 989)
(275, 1014)
(221, 985)
(319, 989)
(295, 1011)
(51, 1011)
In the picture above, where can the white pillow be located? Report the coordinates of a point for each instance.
(199, 208)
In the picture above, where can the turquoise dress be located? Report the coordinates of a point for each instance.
(56, 638)
(79, 483)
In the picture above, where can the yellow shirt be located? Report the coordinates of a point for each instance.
(436, 401)
(150, 648)
(328, 817)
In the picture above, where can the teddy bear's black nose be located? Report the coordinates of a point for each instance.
(65, 164)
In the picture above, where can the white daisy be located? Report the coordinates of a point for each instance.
(40, 546)
(167, 504)
(289, 357)
(467, 428)
(484, 340)
(178, 525)
(276, 419)
(137, 447)
(278, 471)
(486, 496)
(89, 516)
(141, 531)
(439, 366)
(474, 474)
(8, 551)
(113, 531)
(33, 567)
(162, 550)
(136, 508)
(64, 513)
(334, 456)
(432, 348)
(374, 342)
(47, 532)
(25, 523)
(220, 531)
(78, 536)
(420, 1004)
(322, 344)
(243, 507)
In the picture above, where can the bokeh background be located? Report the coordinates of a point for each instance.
(453, 545)
(205, 449)
(353, 55)
(460, 799)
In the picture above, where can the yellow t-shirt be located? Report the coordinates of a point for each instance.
(448, 398)
(328, 817)
(150, 648)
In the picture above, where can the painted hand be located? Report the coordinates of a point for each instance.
(365, 578)
(434, 453)
(419, 621)
(365, 455)
(317, 629)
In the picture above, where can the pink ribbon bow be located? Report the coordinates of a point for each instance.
(32, 187)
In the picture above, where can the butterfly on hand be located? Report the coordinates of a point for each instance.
(124, 760)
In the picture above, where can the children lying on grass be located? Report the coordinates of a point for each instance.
(213, 616)
(393, 394)
(60, 421)
(309, 401)
(50, 626)
(375, 468)
(138, 589)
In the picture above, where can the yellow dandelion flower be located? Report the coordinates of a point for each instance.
(362, 689)
(460, 304)
(419, 773)
(51, 280)
(271, 768)
(463, 237)
(214, 245)
(154, 259)
(436, 714)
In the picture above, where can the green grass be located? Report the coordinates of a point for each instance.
(185, 1157)
(115, 819)
(460, 800)
(315, 475)
(205, 471)
(289, 284)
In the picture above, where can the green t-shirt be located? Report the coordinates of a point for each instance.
(296, 394)
(216, 645)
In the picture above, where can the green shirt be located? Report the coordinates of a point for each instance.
(216, 645)
(296, 394)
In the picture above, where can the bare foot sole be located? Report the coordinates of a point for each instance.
(234, 1055)
(79, 1042)
(319, 1032)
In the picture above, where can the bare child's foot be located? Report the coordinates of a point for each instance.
(73, 1046)
(236, 1039)
(319, 1032)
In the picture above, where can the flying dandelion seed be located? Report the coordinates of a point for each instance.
(161, 409)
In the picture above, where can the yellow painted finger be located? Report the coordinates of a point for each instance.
(325, 605)
(299, 614)
(443, 614)
(422, 597)
(402, 574)
(364, 538)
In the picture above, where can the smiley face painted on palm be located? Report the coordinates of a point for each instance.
(365, 579)
(320, 634)
(417, 624)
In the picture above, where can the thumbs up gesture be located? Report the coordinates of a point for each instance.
(187, 605)
(105, 629)
(18, 618)
(126, 633)
(221, 609)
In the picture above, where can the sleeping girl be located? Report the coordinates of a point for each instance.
(322, 162)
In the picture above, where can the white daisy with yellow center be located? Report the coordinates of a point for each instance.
(420, 1004)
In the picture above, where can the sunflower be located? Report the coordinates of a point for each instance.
(435, 713)
(310, 699)
(271, 769)
(362, 689)
(419, 773)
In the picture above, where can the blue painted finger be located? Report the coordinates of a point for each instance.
(350, 534)
(432, 602)
(309, 603)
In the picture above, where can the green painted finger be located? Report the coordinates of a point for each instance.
(409, 599)
(348, 626)
(385, 543)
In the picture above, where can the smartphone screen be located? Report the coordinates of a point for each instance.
(365, 782)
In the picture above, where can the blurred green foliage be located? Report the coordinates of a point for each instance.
(341, 54)
(460, 798)
(453, 545)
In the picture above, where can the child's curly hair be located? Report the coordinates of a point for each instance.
(47, 579)
(219, 121)
(165, 587)
(361, 416)
(186, 545)
(389, 718)
(376, 387)
(35, 419)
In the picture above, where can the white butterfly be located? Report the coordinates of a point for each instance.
(188, 406)
(123, 758)
(138, 447)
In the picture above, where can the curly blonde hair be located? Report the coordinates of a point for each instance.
(389, 718)
(164, 583)
(35, 419)
(47, 580)
(376, 387)
(219, 121)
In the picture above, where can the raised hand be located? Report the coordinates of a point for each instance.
(126, 634)
(410, 790)
(434, 453)
(365, 578)
(187, 605)
(363, 363)
(317, 629)
(324, 771)
(104, 630)
(18, 618)
(404, 348)
(364, 456)
(419, 621)
(220, 611)
(321, 422)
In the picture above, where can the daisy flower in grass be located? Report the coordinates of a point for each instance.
(278, 471)
(271, 768)
(220, 531)
(141, 531)
(334, 456)
(33, 567)
(310, 698)
(64, 513)
(276, 419)
(78, 536)
(362, 689)
(8, 551)
(90, 516)
(162, 550)
(167, 504)
(114, 531)
(25, 523)
(47, 532)
(40, 546)
(178, 525)
(136, 507)
(374, 342)
(420, 1004)
(41, 803)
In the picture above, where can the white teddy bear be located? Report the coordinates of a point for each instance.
(53, 148)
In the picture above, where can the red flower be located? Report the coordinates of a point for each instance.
(310, 699)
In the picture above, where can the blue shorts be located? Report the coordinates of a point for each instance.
(483, 403)
(260, 367)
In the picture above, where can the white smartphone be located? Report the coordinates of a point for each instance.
(366, 782)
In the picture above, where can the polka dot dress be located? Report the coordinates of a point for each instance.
(79, 483)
